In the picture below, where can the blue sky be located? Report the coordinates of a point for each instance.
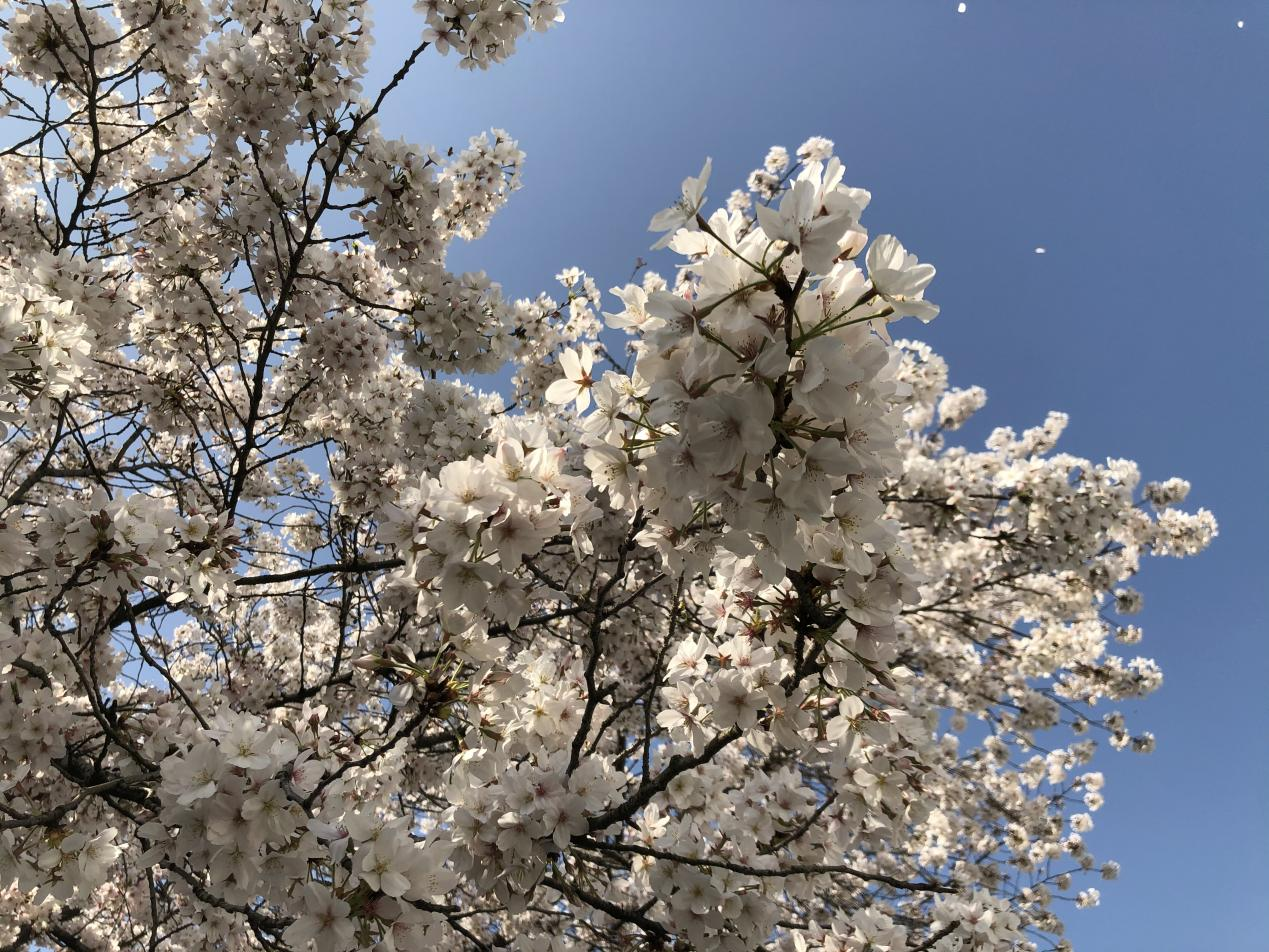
(1130, 138)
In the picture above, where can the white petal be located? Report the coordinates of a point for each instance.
(571, 365)
(562, 391)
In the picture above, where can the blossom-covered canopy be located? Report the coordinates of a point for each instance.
(701, 636)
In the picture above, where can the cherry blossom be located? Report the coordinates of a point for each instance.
(683, 212)
(577, 382)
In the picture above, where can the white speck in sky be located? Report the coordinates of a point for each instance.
(960, 8)
(1240, 22)
(1041, 250)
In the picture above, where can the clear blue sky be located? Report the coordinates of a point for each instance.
(1128, 137)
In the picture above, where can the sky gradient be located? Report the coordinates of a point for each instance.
(1130, 139)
